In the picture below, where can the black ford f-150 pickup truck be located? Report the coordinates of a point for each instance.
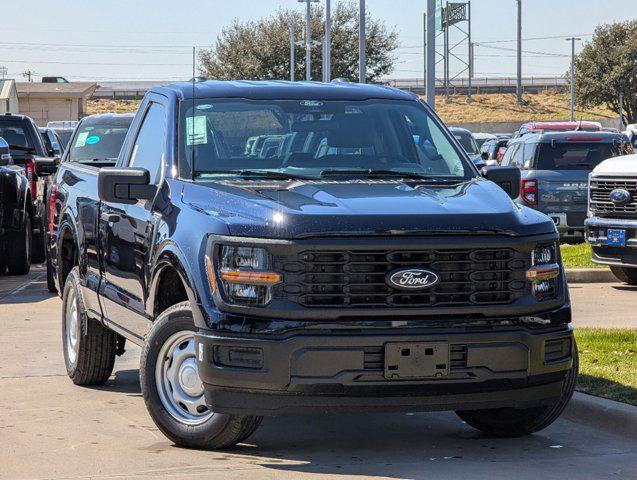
(286, 247)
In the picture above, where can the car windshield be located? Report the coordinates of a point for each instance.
(99, 139)
(313, 139)
(467, 141)
(574, 156)
(18, 138)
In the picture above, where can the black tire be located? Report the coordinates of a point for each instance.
(19, 245)
(625, 274)
(212, 432)
(50, 282)
(38, 254)
(511, 422)
(91, 363)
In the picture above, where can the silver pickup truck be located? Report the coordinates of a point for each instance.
(611, 227)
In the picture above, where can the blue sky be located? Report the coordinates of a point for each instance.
(150, 39)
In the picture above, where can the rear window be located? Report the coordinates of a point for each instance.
(18, 137)
(574, 156)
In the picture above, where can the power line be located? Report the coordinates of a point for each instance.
(99, 63)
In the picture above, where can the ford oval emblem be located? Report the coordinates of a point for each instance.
(620, 196)
(412, 279)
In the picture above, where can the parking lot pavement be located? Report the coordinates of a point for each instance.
(50, 428)
(604, 305)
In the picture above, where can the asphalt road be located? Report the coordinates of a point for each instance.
(50, 428)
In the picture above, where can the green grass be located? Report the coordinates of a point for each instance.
(578, 256)
(608, 363)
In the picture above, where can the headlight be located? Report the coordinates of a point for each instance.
(544, 271)
(246, 275)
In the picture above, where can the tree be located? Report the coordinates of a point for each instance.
(607, 67)
(260, 50)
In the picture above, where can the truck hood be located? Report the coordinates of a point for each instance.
(317, 208)
(624, 166)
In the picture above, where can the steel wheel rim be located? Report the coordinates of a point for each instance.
(177, 379)
(71, 328)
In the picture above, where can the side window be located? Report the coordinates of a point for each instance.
(529, 154)
(517, 159)
(150, 145)
(507, 159)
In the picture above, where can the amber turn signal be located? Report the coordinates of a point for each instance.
(250, 277)
(210, 271)
(543, 272)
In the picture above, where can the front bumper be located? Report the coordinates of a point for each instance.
(596, 228)
(344, 370)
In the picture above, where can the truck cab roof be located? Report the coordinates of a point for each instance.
(570, 136)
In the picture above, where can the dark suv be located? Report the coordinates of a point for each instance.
(555, 168)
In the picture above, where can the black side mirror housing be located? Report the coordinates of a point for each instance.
(125, 185)
(485, 156)
(5, 154)
(45, 165)
(507, 178)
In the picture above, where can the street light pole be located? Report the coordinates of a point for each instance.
(362, 42)
(308, 38)
(292, 52)
(431, 53)
(518, 89)
(573, 40)
(328, 41)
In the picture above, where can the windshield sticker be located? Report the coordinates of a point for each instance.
(93, 139)
(196, 132)
(81, 139)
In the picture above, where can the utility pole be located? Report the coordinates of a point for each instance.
(28, 75)
(518, 89)
(362, 43)
(470, 52)
(424, 51)
(328, 42)
(573, 40)
(292, 52)
(308, 38)
(431, 53)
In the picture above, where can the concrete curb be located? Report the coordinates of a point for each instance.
(608, 415)
(590, 275)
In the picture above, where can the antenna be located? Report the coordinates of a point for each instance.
(192, 139)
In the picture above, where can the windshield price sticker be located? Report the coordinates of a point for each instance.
(196, 132)
(81, 139)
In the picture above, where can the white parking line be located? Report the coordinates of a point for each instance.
(18, 289)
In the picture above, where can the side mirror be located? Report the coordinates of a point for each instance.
(507, 178)
(45, 165)
(124, 185)
(485, 156)
(5, 154)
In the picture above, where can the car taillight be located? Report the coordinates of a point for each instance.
(529, 192)
(54, 192)
(30, 171)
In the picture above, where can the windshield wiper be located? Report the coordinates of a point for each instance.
(380, 173)
(22, 148)
(258, 173)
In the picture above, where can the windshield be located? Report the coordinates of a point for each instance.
(467, 141)
(98, 140)
(316, 139)
(18, 137)
(574, 156)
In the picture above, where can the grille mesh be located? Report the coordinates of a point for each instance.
(351, 279)
(600, 201)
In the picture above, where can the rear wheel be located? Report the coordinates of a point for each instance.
(174, 393)
(89, 347)
(625, 274)
(50, 283)
(19, 249)
(513, 422)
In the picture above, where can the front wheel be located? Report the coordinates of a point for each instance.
(625, 274)
(513, 422)
(174, 393)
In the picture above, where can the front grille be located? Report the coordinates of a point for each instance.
(374, 357)
(600, 202)
(356, 279)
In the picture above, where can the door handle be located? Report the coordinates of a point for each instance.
(110, 217)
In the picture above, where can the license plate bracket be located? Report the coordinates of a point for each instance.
(416, 360)
(615, 237)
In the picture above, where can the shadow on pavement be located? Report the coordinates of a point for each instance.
(603, 387)
(124, 381)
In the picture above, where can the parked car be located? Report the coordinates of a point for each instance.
(541, 127)
(52, 141)
(27, 149)
(54, 80)
(384, 273)
(96, 142)
(468, 143)
(15, 215)
(555, 168)
(64, 129)
(611, 228)
(480, 138)
(493, 150)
